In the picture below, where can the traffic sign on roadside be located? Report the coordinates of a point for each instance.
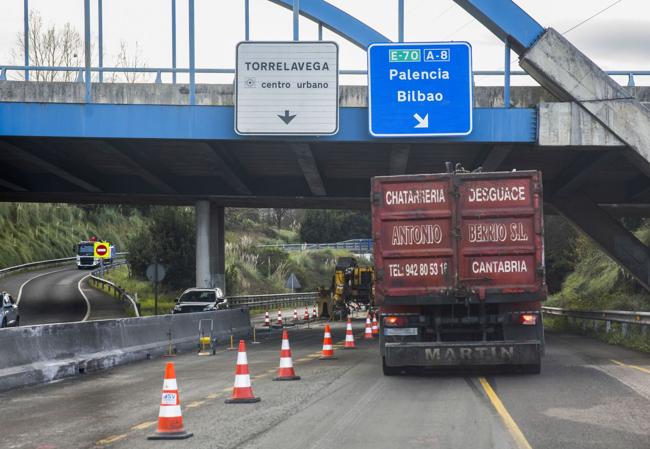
(420, 89)
(102, 250)
(287, 88)
(156, 272)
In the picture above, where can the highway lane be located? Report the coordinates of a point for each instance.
(59, 294)
(589, 395)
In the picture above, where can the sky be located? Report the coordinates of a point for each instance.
(617, 39)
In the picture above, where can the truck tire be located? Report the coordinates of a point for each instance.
(389, 370)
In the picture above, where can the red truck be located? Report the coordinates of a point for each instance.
(460, 273)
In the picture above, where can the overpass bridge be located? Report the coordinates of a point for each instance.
(175, 143)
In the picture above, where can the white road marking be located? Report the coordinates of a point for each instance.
(20, 290)
(85, 318)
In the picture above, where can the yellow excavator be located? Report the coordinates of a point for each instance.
(352, 288)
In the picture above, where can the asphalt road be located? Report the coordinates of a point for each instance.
(59, 294)
(589, 395)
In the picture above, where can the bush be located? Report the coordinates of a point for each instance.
(324, 226)
(270, 259)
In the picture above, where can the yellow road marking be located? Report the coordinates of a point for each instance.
(227, 389)
(111, 439)
(304, 359)
(194, 404)
(213, 396)
(510, 423)
(640, 368)
(144, 425)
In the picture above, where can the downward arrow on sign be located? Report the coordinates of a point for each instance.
(286, 118)
(422, 122)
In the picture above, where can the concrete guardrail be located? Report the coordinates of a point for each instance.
(37, 354)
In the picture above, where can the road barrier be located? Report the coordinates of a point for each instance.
(37, 354)
(280, 299)
(623, 317)
(41, 264)
(99, 282)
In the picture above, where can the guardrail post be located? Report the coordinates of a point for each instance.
(596, 326)
(644, 330)
(630, 80)
(608, 326)
(624, 327)
(3, 74)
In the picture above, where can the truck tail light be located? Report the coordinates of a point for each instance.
(395, 321)
(528, 319)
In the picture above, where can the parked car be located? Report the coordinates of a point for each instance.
(9, 313)
(200, 300)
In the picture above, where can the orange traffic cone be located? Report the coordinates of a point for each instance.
(286, 371)
(328, 349)
(295, 315)
(242, 392)
(314, 315)
(349, 338)
(305, 317)
(375, 327)
(367, 335)
(279, 317)
(170, 420)
(267, 321)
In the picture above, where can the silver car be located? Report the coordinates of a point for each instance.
(9, 313)
(200, 300)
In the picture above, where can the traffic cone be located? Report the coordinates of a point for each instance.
(314, 315)
(170, 420)
(305, 317)
(295, 315)
(286, 371)
(279, 317)
(242, 392)
(328, 349)
(349, 338)
(367, 335)
(267, 321)
(375, 327)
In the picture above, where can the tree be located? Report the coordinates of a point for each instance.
(323, 226)
(127, 59)
(49, 46)
(169, 237)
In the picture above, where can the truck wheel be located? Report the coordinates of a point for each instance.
(389, 370)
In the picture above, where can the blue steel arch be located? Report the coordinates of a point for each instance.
(503, 17)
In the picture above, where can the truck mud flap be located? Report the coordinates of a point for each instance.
(462, 353)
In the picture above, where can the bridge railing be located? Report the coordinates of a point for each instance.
(84, 74)
(625, 318)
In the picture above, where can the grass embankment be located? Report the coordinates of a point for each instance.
(598, 283)
(32, 232)
(144, 291)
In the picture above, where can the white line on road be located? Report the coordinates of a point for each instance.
(84, 296)
(20, 290)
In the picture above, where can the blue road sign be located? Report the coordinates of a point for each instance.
(420, 89)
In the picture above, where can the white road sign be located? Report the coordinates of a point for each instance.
(287, 88)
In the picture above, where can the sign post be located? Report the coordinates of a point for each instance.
(420, 89)
(155, 273)
(287, 88)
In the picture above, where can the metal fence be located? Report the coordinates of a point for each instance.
(84, 74)
(625, 318)
(280, 299)
(354, 245)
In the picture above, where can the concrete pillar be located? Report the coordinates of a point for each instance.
(217, 247)
(202, 211)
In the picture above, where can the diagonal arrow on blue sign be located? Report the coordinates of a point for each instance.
(420, 89)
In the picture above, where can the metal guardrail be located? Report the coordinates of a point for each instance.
(113, 288)
(354, 245)
(42, 263)
(616, 316)
(608, 316)
(279, 299)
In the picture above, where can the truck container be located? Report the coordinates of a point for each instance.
(460, 273)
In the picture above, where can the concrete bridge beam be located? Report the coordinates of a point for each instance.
(608, 233)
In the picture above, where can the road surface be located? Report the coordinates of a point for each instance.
(589, 395)
(58, 295)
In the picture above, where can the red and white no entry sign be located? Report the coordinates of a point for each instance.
(102, 250)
